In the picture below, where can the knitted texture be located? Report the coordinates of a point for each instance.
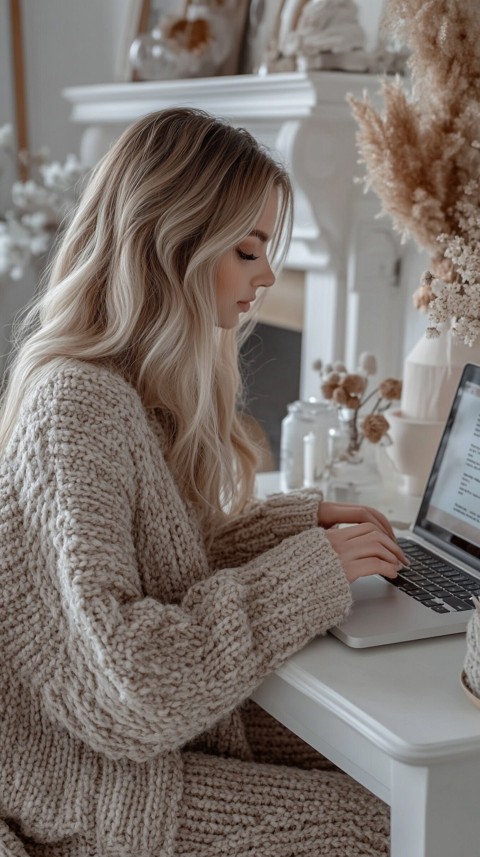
(242, 809)
(472, 656)
(122, 638)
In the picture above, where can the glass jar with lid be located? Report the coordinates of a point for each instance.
(314, 416)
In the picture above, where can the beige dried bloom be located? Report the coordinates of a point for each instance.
(456, 300)
(374, 427)
(440, 268)
(328, 390)
(422, 298)
(348, 391)
(354, 385)
(390, 389)
(342, 398)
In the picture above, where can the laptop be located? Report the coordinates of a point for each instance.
(433, 596)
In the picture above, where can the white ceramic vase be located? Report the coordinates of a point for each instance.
(431, 373)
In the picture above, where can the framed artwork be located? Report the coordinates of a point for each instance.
(143, 15)
(262, 28)
(238, 16)
(140, 17)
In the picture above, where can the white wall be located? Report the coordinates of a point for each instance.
(67, 42)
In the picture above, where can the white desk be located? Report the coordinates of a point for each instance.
(397, 720)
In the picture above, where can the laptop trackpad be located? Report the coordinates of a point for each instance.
(372, 586)
(383, 614)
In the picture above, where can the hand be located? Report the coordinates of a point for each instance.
(365, 549)
(330, 514)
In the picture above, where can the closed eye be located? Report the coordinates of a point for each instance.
(250, 257)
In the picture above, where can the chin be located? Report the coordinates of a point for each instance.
(229, 322)
(228, 325)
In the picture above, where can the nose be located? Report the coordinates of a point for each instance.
(267, 277)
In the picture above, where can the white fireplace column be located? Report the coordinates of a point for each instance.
(350, 259)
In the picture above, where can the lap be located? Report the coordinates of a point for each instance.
(231, 807)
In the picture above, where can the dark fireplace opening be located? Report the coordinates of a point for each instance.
(271, 359)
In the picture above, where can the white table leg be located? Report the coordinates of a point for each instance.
(436, 809)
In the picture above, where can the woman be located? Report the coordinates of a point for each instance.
(144, 594)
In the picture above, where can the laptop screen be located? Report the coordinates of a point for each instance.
(449, 515)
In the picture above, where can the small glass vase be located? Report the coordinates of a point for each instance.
(352, 463)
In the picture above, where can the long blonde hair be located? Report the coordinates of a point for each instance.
(132, 286)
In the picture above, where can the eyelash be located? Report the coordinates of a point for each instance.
(249, 257)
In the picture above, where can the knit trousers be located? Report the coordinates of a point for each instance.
(232, 808)
(286, 801)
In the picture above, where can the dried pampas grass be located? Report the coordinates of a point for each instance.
(422, 153)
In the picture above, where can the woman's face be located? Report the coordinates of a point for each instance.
(245, 267)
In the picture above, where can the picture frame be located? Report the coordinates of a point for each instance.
(136, 12)
(142, 16)
(262, 28)
(239, 17)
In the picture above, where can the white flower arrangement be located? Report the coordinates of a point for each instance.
(40, 206)
(455, 297)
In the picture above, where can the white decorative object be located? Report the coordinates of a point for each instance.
(432, 371)
(414, 444)
(304, 442)
(309, 460)
(323, 34)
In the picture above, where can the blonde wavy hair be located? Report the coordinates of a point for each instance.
(132, 285)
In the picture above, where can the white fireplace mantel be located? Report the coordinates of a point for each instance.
(349, 257)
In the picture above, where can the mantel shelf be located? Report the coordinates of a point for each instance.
(293, 95)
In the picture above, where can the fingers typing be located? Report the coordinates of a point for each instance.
(364, 549)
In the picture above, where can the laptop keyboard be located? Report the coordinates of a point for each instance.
(433, 581)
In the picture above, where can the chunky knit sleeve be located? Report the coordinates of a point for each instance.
(472, 656)
(263, 525)
(128, 674)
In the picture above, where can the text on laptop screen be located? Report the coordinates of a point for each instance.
(450, 509)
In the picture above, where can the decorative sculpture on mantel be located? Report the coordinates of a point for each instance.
(319, 34)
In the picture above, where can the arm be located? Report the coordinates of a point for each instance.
(127, 674)
(262, 526)
(266, 523)
(472, 656)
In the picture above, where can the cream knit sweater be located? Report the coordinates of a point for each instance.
(122, 641)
